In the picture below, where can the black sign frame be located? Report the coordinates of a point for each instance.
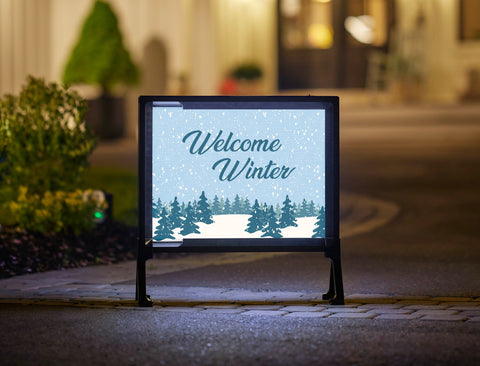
(330, 244)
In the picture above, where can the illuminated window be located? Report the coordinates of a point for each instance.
(306, 23)
(470, 20)
(367, 22)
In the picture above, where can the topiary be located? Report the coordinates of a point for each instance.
(99, 56)
(247, 71)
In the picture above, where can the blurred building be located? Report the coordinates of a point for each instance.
(425, 50)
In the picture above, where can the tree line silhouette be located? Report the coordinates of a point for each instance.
(263, 217)
(240, 206)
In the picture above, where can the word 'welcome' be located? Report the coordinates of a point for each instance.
(200, 144)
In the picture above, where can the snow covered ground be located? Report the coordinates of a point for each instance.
(233, 226)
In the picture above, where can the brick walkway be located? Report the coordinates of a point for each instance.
(113, 287)
(360, 306)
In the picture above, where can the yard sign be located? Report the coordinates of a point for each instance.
(239, 174)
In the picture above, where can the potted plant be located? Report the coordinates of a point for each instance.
(244, 79)
(100, 58)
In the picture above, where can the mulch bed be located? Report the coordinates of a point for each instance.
(27, 252)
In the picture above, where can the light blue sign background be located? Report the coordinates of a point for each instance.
(178, 173)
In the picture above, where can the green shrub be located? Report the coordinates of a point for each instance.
(44, 147)
(248, 71)
(55, 212)
(44, 142)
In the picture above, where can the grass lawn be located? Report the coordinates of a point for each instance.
(123, 185)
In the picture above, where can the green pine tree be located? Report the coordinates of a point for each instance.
(222, 206)
(227, 209)
(204, 214)
(216, 207)
(195, 211)
(163, 229)
(188, 225)
(287, 217)
(175, 214)
(278, 210)
(157, 208)
(319, 230)
(256, 220)
(272, 227)
(303, 209)
(237, 205)
(246, 206)
(183, 209)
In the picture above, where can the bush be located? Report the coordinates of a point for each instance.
(248, 71)
(44, 142)
(58, 212)
(44, 147)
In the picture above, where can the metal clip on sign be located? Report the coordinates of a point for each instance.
(239, 174)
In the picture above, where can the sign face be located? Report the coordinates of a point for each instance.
(239, 174)
(238, 168)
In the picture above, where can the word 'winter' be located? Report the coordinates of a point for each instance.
(201, 144)
(270, 171)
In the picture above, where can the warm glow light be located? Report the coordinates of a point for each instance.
(290, 8)
(361, 28)
(323, 1)
(320, 36)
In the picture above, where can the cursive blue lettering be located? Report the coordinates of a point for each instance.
(270, 171)
(200, 147)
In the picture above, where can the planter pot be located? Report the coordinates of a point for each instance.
(405, 90)
(250, 87)
(106, 116)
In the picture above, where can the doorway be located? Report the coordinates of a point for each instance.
(327, 43)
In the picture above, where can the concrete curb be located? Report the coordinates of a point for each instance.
(357, 307)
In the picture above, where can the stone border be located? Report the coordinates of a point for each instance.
(381, 307)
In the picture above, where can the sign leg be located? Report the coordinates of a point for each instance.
(330, 294)
(141, 285)
(335, 290)
(336, 267)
